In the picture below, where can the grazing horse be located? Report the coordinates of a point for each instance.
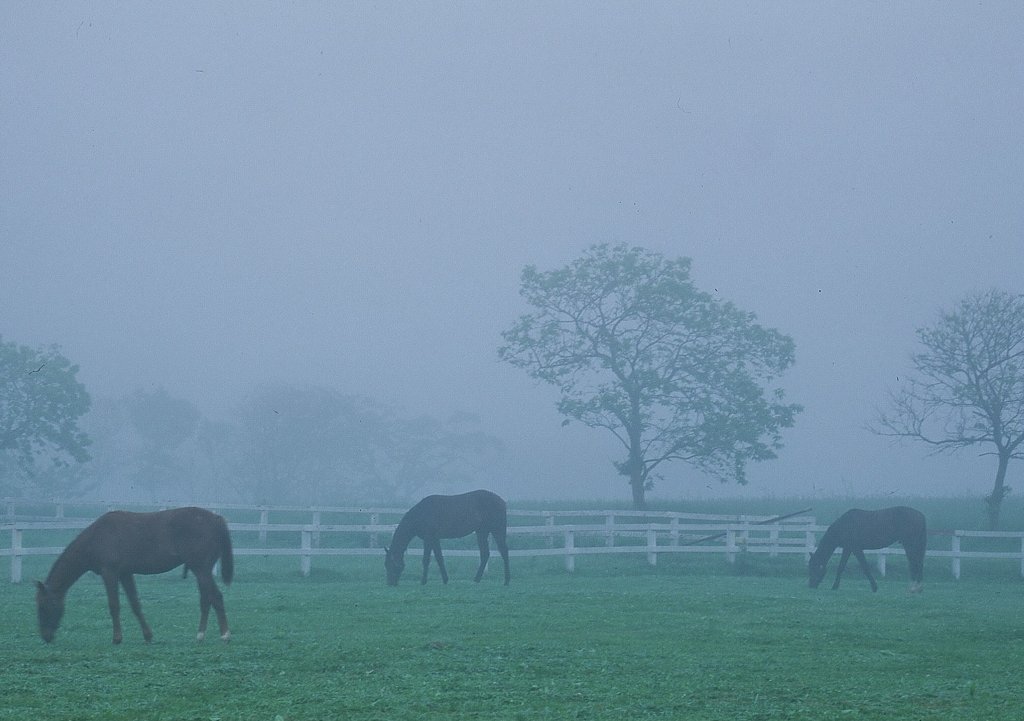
(437, 517)
(119, 544)
(856, 530)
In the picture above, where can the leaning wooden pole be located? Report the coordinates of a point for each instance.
(765, 522)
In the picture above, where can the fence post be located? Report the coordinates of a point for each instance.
(16, 555)
(955, 548)
(570, 557)
(316, 529)
(652, 547)
(881, 563)
(674, 533)
(730, 544)
(609, 524)
(307, 537)
(264, 520)
(549, 520)
(374, 520)
(773, 539)
(811, 544)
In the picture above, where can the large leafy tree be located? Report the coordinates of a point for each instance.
(968, 386)
(672, 372)
(41, 402)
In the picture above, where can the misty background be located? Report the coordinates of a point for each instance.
(206, 199)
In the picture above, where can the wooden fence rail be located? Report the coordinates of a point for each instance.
(17, 509)
(671, 534)
(22, 510)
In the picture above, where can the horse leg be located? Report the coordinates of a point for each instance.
(842, 566)
(128, 583)
(501, 542)
(113, 601)
(210, 595)
(485, 553)
(440, 561)
(427, 548)
(915, 557)
(866, 568)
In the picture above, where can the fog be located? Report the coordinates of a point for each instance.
(208, 197)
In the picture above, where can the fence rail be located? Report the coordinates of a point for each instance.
(561, 534)
(68, 510)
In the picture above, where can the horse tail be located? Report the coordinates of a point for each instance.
(923, 543)
(227, 558)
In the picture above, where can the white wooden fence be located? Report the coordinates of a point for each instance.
(565, 534)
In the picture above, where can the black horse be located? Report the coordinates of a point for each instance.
(119, 544)
(437, 517)
(856, 530)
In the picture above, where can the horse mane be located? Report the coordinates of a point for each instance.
(404, 532)
(827, 545)
(65, 572)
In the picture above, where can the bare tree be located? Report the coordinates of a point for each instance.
(969, 386)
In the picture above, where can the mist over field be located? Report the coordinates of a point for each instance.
(201, 202)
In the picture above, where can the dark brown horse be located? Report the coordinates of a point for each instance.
(437, 517)
(119, 544)
(857, 530)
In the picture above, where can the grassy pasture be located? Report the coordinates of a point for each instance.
(692, 638)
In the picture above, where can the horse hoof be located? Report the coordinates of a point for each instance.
(226, 636)
(201, 636)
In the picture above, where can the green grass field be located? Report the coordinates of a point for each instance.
(693, 638)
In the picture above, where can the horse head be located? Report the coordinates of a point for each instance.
(816, 570)
(50, 608)
(394, 564)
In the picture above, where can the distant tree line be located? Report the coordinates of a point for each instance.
(306, 445)
(284, 444)
(675, 374)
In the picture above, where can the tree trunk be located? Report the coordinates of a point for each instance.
(637, 467)
(637, 483)
(994, 501)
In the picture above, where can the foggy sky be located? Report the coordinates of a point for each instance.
(210, 196)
